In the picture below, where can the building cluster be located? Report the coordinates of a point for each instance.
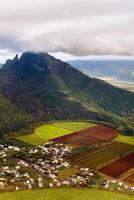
(87, 178)
(112, 184)
(23, 168)
(38, 167)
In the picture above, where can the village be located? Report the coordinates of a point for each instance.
(39, 167)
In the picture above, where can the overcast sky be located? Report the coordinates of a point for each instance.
(76, 27)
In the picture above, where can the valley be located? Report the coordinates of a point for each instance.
(118, 72)
(56, 133)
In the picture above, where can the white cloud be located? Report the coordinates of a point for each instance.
(78, 27)
(6, 53)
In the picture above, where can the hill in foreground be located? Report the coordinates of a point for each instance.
(59, 194)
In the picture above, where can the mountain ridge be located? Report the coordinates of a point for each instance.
(116, 72)
(48, 88)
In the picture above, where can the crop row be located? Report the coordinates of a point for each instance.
(102, 156)
(119, 167)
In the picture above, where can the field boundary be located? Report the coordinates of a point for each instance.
(116, 159)
(127, 173)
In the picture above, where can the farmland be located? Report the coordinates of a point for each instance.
(64, 193)
(97, 147)
(125, 139)
(73, 126)
(102, 156)
(53, 130)
(130, 179)
(31, 139)
(59, 129)
(117, 168)
(65, 173)
(97, 134)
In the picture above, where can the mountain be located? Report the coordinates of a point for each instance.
(1, 65)
(11, 117)
(47, 88)
(116, 72)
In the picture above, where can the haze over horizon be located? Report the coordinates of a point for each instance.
(67, 29)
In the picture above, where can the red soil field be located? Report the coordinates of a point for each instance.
(130, 179)
(97, 134)
(119, 167)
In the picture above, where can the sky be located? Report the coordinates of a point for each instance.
(68, 29)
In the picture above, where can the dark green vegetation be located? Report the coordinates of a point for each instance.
(64, 193)
(49, 89)
(11, 117)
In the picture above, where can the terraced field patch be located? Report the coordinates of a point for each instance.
(119, 167)
(66, 173)
(53, 130)
(102, 156)
(97, 134)
(125, 139)
(130, 179)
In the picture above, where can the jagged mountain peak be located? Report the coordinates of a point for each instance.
(10, 62)
(32, 63)
(45, 62)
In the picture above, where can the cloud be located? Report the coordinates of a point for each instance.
(6, 53)
(78, 27)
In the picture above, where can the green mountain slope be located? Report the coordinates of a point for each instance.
(48, 88)
(11, 117)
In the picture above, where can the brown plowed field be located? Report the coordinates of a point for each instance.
(102, 155)
(130, 179)
(97, 134)
(119, 167)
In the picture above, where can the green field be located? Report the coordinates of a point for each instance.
(125, 139)
(31, 139)
(64, 194)
(49, 131)
(73, 126)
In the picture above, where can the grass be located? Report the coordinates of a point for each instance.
(125, 139)
(73, 126)
(65, 194)
(31, 139)
(49, 131)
